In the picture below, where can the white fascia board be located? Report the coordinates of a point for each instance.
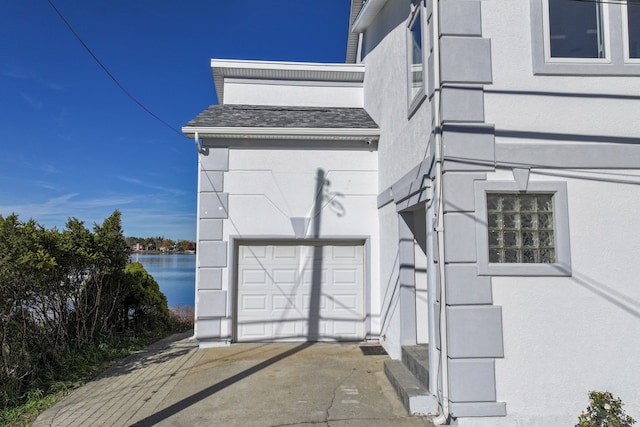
(284, 133)
(284, 66)
(367, 14)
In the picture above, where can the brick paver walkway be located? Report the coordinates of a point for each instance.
(129, 391)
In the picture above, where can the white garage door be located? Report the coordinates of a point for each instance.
(300, 293)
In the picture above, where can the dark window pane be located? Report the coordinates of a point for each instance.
(511, 255)
(508, 202)
(510, 220)
(529, 239)
(494, 220)
(416, 56)
(575, 29)
(545, 221)
(527, 221)
(547, 256)
(527, 203)
(494, 202)
(510, 238)
(495, 238)
(530, 256)
(633, 13)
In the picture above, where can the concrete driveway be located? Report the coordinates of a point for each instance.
(173, 383)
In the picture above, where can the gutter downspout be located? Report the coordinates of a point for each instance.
(444, 348)
(198, 145)
(195, 311)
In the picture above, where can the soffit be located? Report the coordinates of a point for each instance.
(353, 38)
(367, 14)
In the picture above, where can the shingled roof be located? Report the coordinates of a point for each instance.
(258, 116)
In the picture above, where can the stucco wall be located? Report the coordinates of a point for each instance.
(312, 94)
(264, 189)
(564, 336)
(404, 143)
(521, 101)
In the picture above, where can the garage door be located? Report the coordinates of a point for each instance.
(300, 293)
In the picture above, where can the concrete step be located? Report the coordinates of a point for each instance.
(415, 397)
(416, 359)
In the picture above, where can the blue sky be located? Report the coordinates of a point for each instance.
(74, 145)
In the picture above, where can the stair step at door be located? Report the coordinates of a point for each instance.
(415, 397)
(416, 359)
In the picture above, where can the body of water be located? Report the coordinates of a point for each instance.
(176, 275)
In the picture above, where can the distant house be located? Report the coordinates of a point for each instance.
(137, 247)
(467, 181)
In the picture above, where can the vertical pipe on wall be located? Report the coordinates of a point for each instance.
(197, 283)
(444, 353)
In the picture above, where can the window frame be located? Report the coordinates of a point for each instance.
(562, 266)
(605, 34)
(418, 14)
(625, 35)
(616, 51)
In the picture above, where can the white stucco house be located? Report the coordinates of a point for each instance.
(464, 189)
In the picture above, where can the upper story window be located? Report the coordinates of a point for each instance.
(633, 29)
(415, 54)
(415, 57)
(575, 29)
(586, 37)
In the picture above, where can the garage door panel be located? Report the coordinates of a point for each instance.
(308, 276)
(285, 276)
(307, 303)
(283, 302)
(347, 303)
(344, 328)
(346, 252)
(285, 252)
(254, 277)
(254, 330)
(344, 276)
(253, 253)
(282, 282)
(253, 303)
(286, 329)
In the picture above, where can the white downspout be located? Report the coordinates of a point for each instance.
(197, 140)
(195, 311)
(444, 350)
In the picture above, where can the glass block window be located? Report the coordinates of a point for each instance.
(520, 228)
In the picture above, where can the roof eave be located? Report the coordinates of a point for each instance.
(367, 14)
(345, 134)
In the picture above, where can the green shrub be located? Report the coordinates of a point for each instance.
(604, 411)
(65, 297)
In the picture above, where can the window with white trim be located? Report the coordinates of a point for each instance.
(575, 29)
(522, 233)
(585, 37)
(415, 56)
